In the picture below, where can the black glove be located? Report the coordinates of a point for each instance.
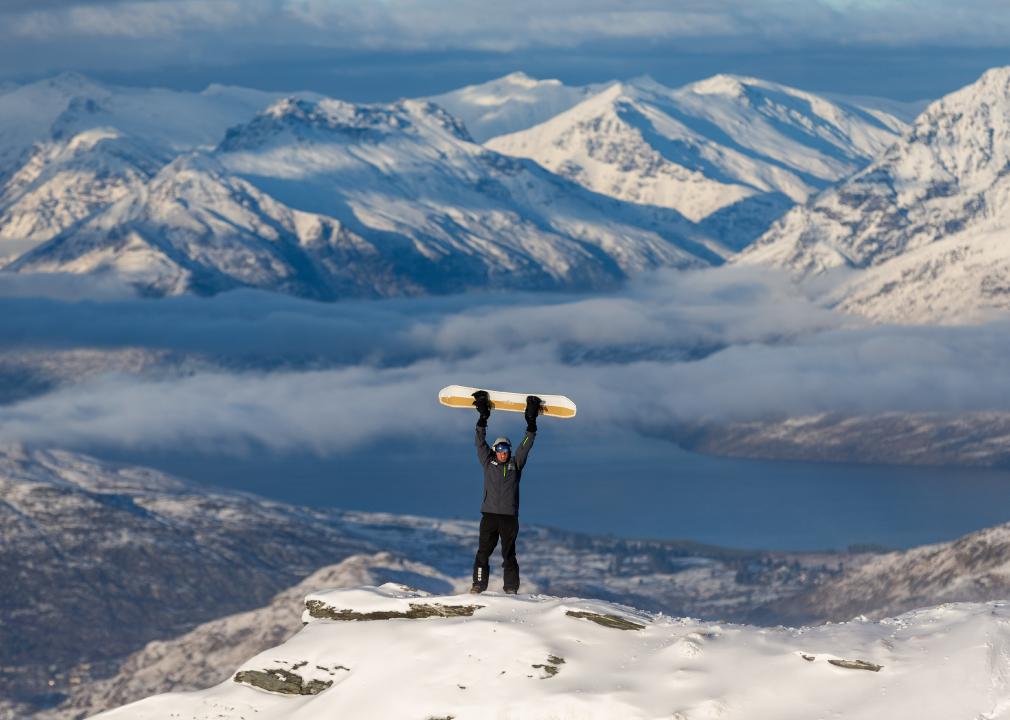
(534, 405)
(482, 402)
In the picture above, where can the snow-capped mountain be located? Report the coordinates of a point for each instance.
(70, 146)
(926, 223)
(732, 153)
(510, 104)
(109, 558)
(539, 657)
(885, 109)
(195, 227)
(329, 199)
(62, 182)
(68, 104)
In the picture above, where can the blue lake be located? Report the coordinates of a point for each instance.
(630, 486)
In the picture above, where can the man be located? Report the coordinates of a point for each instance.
(500, 510)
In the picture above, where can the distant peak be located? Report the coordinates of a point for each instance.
(999, 74)
(995, 81)
(647, 82)
(993, 87)
(294, 107)
(316, 118)
(523, 80)
(722, 84)
(624, 89)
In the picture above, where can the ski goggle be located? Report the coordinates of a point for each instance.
(502, 447)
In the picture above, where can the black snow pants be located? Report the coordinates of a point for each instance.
(493, 526)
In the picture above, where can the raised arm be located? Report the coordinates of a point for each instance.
(533, 408)
(483, 404)
(484, 451)
(524, 448)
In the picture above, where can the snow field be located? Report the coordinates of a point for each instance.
(528, 657)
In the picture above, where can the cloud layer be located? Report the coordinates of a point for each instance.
(485, 25)
(382, 50)
(673, 348)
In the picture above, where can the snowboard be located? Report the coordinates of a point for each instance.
(462, 397)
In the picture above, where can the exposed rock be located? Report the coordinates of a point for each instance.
(281, 681)
(611, 621)
(418, 611)
(857, 665)
(208, 654)
(551, 667)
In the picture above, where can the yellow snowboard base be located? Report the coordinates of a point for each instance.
(460, 396)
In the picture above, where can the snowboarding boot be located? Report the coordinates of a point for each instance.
(510, 591)
(476, 589)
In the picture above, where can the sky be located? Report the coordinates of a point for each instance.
(377, 50)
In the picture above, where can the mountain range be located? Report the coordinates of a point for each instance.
(923, 228)
(203, 192)
(326, 199)
(573, 188)
(70, 146)
(730, 153)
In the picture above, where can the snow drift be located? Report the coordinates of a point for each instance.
(392, 651)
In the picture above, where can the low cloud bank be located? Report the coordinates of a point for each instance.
(673, 348)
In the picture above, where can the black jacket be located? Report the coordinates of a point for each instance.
(501, 481)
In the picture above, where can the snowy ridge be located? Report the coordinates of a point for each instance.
(926, 222)
(969, 568)
(70, 146)
(733, 150)
(510, 103)
(195, 227)
(328, 199)
(534, 656)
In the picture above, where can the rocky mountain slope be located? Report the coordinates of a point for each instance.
(122, 556)
(975, 567)
(207, 654)
(925, 224)
(532, 656)
(731, 153)
(328, 199)
(70, 146)
(62, 182)
(509, 104)
(103, 559)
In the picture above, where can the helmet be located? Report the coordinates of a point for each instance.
(501, 441)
